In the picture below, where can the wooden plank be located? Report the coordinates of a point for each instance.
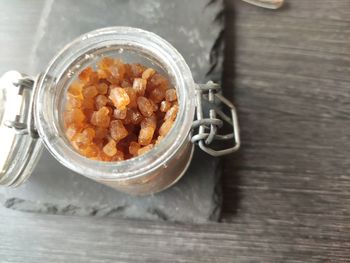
(47, 238)
(290, 73)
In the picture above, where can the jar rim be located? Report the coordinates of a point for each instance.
(46, 113)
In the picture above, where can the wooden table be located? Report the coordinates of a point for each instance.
(286, 193)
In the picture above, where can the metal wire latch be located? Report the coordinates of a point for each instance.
(208, 126)
(24, 122)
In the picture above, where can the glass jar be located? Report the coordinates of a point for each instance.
(32, 114)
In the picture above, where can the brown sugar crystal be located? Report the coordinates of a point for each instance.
(115, 111)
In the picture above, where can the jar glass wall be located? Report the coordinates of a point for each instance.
(145, 174)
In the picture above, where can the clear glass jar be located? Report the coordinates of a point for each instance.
(149, 173)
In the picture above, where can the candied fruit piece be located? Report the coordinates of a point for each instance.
(102, 74)
(112, 80)
(137, 70)
(120, 114)
(105, 63)
(166, 126)
(132, 96)
(128, 73)
(89, 133)
(101, 117)
(149, 122)
(74, 116)
(85, 137)
(72, 131)
(117, 130)
(93, 79)
(110, 148)
(136, 117)
(133, 148)
(104, 157)
(146, 135)
(119, 156)
(145, 106)
(170, 95)
(102, 88)
(73, 102)
(100, 132)
(100, 101)
(88, 113)
(110, 112)
(157, 81)
(90, 91)
(171, 113)
(157, 94)
(117, 70)
(148, 73)
(139, 85)
(165, 106)
(88, 103)
(84, 75)
(91, 150)
(133, 116)
(119, 98)
(125, 84)
(154, 105)
(145, 149)
(98, 142)
(75, 89)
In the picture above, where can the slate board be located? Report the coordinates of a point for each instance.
(57, 190)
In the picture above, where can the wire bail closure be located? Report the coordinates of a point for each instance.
(208, 127)
(25, 125)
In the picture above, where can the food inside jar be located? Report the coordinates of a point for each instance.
(118, 111)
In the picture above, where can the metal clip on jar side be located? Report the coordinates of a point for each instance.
(20, 147)
(24, 124)
(208, 127)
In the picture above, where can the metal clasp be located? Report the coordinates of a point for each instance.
(208, 127)
(24, 124)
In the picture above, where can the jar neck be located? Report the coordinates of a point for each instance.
(133, 44)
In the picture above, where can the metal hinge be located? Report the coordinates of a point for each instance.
(21, 124)
(205, 130)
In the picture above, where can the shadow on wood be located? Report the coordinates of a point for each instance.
(222, 59)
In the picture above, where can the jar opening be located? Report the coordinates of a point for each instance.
(133, 46)
(134, 61)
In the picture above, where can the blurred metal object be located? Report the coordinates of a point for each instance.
(270, 4)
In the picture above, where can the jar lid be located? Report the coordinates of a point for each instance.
(20, 147)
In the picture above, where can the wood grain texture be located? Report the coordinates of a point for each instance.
(48, 238)
(290, 71)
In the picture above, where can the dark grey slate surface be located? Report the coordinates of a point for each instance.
(53, 188)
